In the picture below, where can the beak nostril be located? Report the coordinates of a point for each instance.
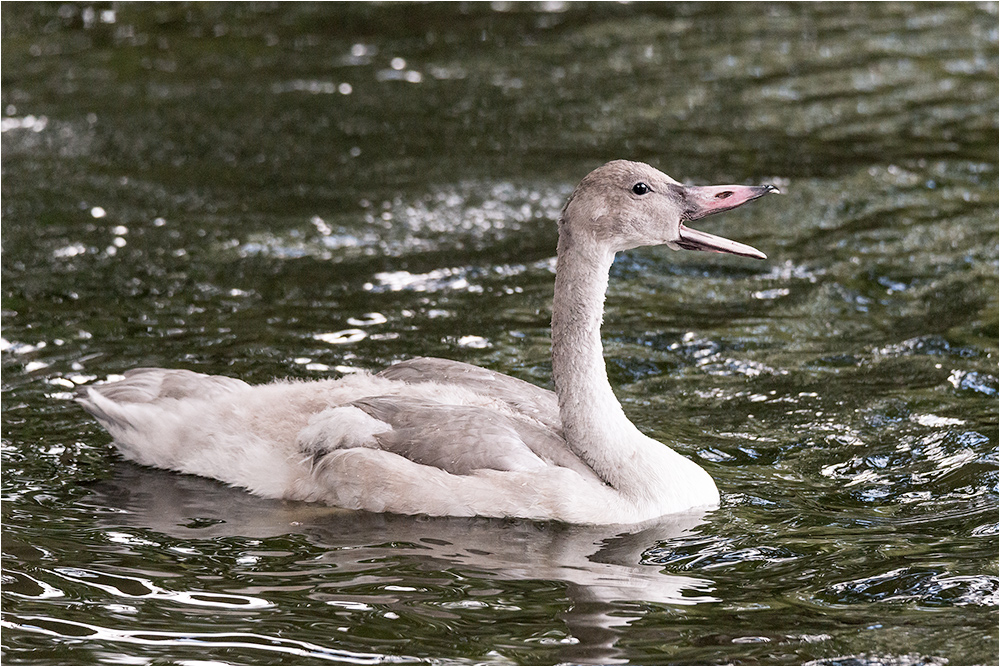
(724, 195)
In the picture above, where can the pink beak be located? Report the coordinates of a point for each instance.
(708, 199)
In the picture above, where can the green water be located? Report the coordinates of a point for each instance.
(211, 186)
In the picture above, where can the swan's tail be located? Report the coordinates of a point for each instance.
(114, 404)
(148, 385)
(137, 412)
(214, 426)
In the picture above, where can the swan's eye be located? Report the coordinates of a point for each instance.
(640, 188)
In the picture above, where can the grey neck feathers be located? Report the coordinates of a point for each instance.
(594, 424)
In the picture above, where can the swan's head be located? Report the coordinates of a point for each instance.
(626, 204)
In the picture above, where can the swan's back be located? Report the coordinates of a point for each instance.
(522, 397)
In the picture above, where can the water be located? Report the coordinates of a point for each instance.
(301, 190)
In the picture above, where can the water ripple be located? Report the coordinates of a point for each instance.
(924, 587)
(137, 587)
(203, 641)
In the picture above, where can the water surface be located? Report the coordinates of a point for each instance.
(305, 190)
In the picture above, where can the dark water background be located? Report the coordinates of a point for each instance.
(213, 186)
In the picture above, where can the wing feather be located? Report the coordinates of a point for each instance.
(522, 397)
(463, 438)
(457, 438)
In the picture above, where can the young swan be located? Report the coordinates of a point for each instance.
(438, 437)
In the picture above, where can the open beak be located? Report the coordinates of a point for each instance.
(706, 200)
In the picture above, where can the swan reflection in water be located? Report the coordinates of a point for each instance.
(600, 566)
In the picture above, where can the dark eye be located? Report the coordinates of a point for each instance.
(640, 188)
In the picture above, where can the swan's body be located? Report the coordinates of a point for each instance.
(438, 437)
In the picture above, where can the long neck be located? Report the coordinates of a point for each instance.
(594, 424)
